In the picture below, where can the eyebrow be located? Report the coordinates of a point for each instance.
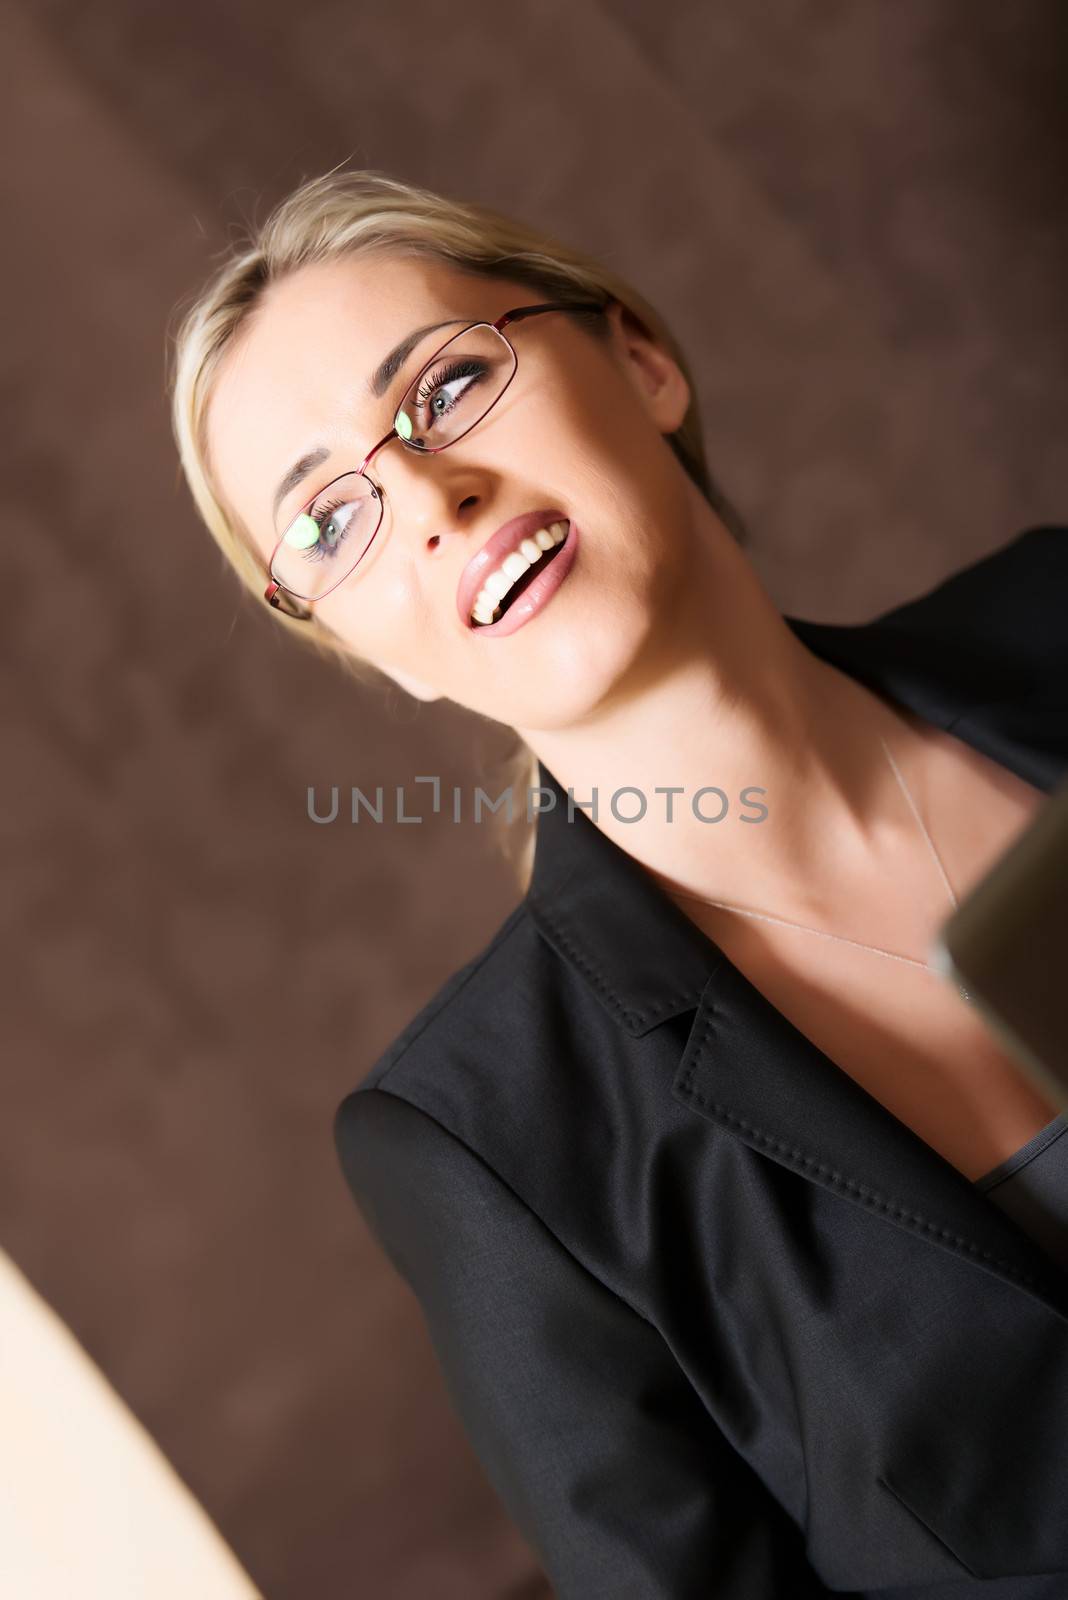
(377, 385)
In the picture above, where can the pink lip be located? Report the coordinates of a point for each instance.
(493, 552)
(538, 592)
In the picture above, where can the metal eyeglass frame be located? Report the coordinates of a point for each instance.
(276, 594)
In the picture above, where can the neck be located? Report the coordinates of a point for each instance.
(726, 695)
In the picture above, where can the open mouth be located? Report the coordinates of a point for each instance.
(518, 572)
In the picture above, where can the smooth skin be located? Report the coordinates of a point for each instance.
(661, 660)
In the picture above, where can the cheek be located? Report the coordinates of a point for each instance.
(384, 618)
(609, 441)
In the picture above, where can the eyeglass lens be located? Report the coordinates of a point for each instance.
(326, 541)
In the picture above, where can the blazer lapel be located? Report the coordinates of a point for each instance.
(745, 1066)
(748, 1069)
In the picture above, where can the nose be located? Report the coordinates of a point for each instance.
(431, 498)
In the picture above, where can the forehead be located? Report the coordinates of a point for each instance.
(297, 374)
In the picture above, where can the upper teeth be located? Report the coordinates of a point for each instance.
(496, 586)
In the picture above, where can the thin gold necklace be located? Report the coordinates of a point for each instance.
(821, 933)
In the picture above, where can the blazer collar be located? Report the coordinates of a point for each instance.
(745, 1065)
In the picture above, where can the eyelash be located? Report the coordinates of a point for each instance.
(447, 374)
(316, 552)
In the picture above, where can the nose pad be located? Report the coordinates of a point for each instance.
(425, 495)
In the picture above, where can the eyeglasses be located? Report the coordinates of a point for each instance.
(460, 384)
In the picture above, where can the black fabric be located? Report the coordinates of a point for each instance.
(1032, 1186)
(715, 1321)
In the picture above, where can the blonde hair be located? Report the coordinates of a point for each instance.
(345, 212)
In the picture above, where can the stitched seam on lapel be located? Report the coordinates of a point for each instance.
(875, 1200)
(601, 984)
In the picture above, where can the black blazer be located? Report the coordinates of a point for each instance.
(717, 1323)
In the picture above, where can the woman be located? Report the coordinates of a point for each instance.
(685, 1166)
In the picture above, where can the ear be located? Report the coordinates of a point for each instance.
(655, 374)
(414, 686)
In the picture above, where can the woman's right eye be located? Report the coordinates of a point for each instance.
(333, 528)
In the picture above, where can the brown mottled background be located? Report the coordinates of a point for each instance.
(852, 212)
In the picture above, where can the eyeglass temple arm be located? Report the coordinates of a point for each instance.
(280, 598)
(522, 312)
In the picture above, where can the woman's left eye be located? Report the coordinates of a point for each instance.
(441, 392)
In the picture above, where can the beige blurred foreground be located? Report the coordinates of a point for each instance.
(88, 1504)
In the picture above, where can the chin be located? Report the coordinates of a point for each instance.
(576, 674)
